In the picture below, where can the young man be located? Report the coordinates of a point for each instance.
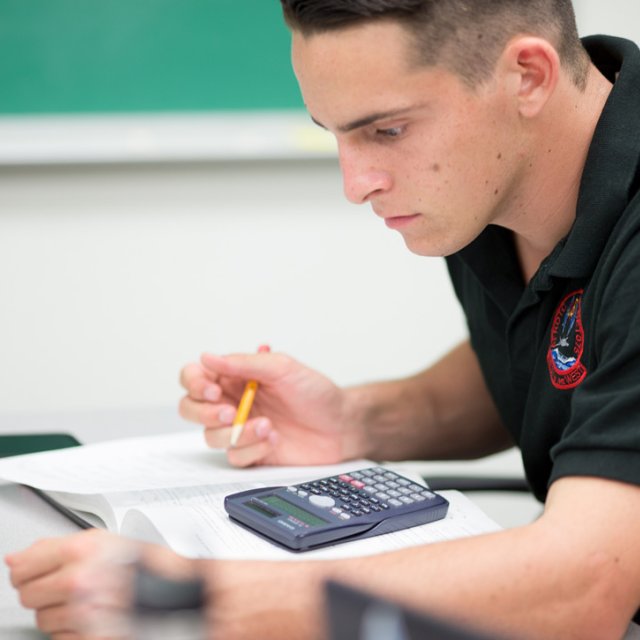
(483, 132)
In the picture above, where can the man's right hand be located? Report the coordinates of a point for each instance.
(300, 417)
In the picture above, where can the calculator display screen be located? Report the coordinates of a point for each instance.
(256, 506)
(291, 509)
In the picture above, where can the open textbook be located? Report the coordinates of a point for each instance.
(170, 489)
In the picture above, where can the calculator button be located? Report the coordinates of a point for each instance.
(390, 475)
(380, 486)
(302, 494)
(322, 501)
(379, 478)
(292, 489)
(336, 510)
(370, 489)
(356, 512)
(345, 478)
(356, 474)
(392, 484)
(393, 493)
(357, 484)
(406, 499)
(405, 491)
(403, 481)
(382, 496)
(418, 497)
(395, 503)
(345, 516)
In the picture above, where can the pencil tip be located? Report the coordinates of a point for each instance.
(235, 435)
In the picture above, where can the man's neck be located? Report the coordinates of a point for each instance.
(550, 191)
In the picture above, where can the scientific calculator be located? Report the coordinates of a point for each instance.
(359, 504)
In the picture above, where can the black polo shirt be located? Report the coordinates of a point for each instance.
(561, 355)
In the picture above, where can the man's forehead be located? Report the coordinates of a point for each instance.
(383, 40)
(378, 53)
(349, 80)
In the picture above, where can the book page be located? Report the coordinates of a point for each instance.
(95, 509)
(171, 489)
(151, 462)
(196, 525)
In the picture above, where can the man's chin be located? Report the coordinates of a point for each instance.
(424, 248)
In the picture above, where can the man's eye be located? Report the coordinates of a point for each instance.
(391, 132)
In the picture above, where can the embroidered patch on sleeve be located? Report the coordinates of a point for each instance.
(567, 343)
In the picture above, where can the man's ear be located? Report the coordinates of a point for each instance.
(533, 65)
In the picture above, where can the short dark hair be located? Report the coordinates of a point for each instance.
(465, 36)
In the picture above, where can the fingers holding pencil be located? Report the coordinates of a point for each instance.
(215, 386)
(246, 404)
(221, 391)
(297, 415)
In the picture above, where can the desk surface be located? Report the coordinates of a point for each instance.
(26, 518)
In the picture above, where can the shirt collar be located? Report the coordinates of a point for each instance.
(610, 175)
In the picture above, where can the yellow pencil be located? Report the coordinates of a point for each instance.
(244, 408)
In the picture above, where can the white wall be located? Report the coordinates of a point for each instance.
(614, 17)
(112, 277)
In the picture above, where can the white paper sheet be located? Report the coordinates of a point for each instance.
(150, 462)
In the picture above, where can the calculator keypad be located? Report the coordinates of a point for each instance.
(362, 492)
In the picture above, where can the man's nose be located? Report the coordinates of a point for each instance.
(361, 178)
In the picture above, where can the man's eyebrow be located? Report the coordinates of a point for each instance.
(369, 119)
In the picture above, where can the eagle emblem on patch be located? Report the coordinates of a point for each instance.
(567, 343)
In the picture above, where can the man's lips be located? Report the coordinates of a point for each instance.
(400, 222)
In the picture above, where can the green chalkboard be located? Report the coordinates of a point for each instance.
(91, 56)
